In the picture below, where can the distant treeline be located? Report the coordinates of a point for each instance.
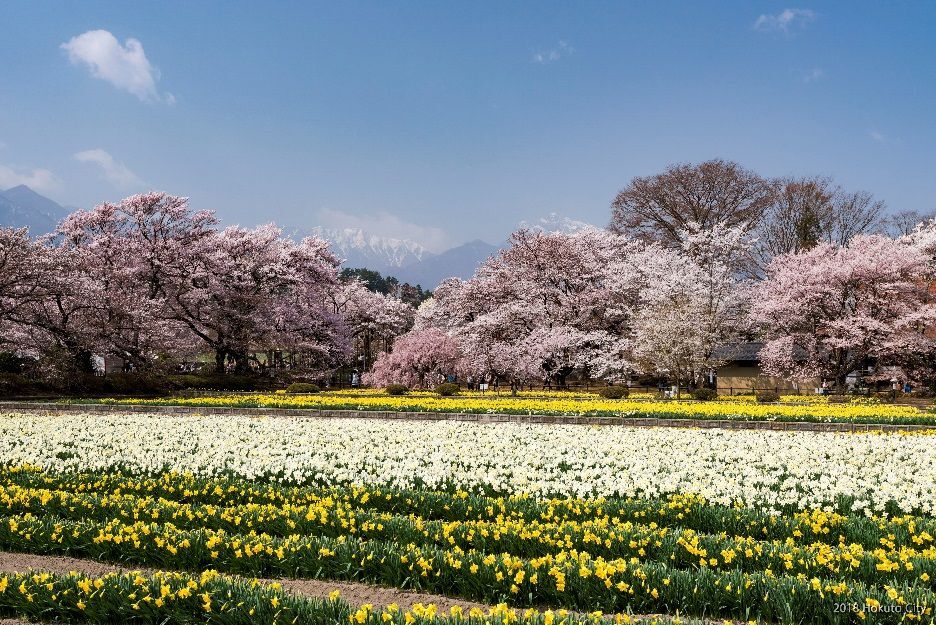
(387, 285)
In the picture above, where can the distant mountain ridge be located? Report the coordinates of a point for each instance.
(21, 207)
(458, 262)
(555, 223)
(404, 259)
(408, 261)
(363, 249)
(463, 260)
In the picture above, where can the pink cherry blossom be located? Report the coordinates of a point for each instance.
(833, 310)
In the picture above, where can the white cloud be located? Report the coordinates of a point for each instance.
(40, 180)
(785, 21)
(387, 225)
(813, 75)
(885, 139)
(124, 66)
(115, 172)
(549, 56)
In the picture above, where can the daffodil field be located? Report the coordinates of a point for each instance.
(781, 471)
(806, 408)
(169, 597)
(549, 523)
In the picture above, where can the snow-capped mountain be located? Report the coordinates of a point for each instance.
(404, 259)
(555, 223)
(461, 261)
(362, 249)
(458, 262)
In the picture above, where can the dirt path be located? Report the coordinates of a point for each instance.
(354, 593)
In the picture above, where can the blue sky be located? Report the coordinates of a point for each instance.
(450, 121)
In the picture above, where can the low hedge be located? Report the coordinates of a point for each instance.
(768, 397)
(704, 394)
(302, 388)
(614, 392)
(397, 389)
(447, 389)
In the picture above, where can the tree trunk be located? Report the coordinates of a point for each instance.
(367, 351)
(82, 358)
(220, 358)
(241, 362)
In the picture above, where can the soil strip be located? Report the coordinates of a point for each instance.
(354, 593)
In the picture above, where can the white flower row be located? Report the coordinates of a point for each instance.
(760, 468)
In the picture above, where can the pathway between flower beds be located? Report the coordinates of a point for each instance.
(355, 594)
(311, 413)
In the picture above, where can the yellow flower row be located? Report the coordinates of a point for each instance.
(719, 410)
(899, 546)
(612, 554)
(559, 394)
(166, 596)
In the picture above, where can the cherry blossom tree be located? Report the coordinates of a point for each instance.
(548, 306)
(148, 280)
(32, 279)
(916, 357)
(44, 302)
(24, 280)
(697, 302)
(545, 307)
(420, 358)
(372, 317)
(166, 275)
(255, 290)
(923, 237)
(597, 304)
(136, 252)
(306, 324)
(830, 309)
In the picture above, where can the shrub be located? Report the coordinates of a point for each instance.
(447, 389)
(614, 392)
(768, 397)
(11, 363)
(397, 389)
(127, 384)
(12, 385)
(302, 387)
(704, 394)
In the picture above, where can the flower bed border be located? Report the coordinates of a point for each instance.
(318, 413)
